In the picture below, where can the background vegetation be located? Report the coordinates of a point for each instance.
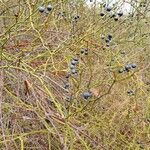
(99, 103)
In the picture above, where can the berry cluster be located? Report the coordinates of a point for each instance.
(42, 9)
(107, 39)
(84, 51)
(108, 10)
(127, 68)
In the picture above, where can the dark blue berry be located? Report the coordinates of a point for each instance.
(74, 62)
(116, 19)
(73, 71)
(41, 9)
(86, 95)
(133, 65)
(107, 40)
(120, 14)
(49, 7)
(109, 36)
(66, 86)
(128, 67)
(102, 14)
(108, 8)
(72, 66)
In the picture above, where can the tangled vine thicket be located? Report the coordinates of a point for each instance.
(74, 77)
